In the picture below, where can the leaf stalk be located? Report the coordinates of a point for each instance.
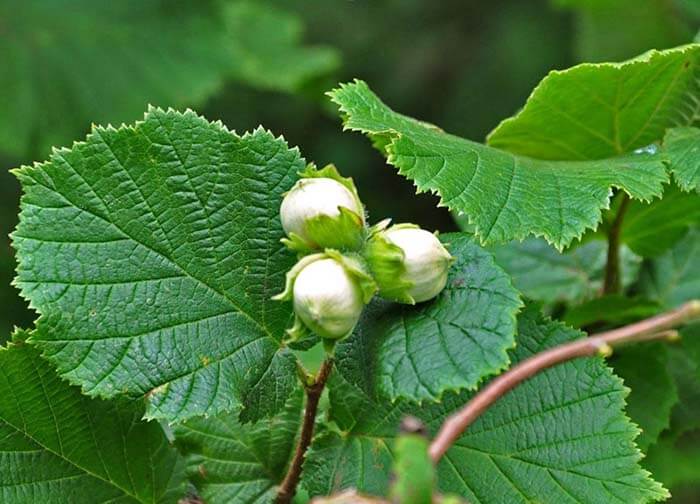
(288, 487)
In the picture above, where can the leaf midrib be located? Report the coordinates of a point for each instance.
(169, 260)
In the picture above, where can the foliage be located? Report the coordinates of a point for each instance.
(159, 365)
(170, 53)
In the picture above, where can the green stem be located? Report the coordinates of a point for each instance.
(613, 283)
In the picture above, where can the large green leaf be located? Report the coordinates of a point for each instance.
(543, 274)
(58, 446)
(151, 253)
(505, 196)
(231, 462)
(562, 436)
(602, 110)
(451, 343)
(674, 277)
(69, 63)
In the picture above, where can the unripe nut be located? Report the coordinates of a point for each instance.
(409, 264)
(327, 298)
(314, 197)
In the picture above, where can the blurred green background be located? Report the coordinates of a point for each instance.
(464, 65)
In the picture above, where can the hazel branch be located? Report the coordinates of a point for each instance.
(657, 327)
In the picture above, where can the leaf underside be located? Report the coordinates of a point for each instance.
(561, 436)
(59, 446)
(505, 196)
(602, 110)
(450, 343)
(151, 253)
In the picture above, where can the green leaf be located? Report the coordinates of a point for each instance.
(561, 436)
(543, 274)
(58, 446)
(650, 229)
(682, 147)
(505, 196)
(151, 253)
(419, 352)
(242, 463)
(602, 110)
(653, 391)
(610, 309)
(266, 47)
(674, 277)
(59, 76)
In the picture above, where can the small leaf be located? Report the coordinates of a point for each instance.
(58, 446)
(232, 462)
(450, 343)
(561, 436)
(602, 110)
(506, 196)
(413, 471)
(543, 274)
(151, 253)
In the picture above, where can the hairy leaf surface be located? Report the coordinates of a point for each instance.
(151, 253)
(562, 436)
(450, 343)
(59, 446)
(242, 463)
(506, 196)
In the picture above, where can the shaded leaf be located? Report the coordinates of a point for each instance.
(242, 463)
(650, 229)
(60, 76)
(562, 436)
(543, 274)
(505, 196)
(58, 446)
(450, 343)
(674, 277)
(151, 253)
(610, 309)
(653, 391)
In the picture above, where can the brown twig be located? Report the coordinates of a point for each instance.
(288, 487)
(612, 282)
(653, 328)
